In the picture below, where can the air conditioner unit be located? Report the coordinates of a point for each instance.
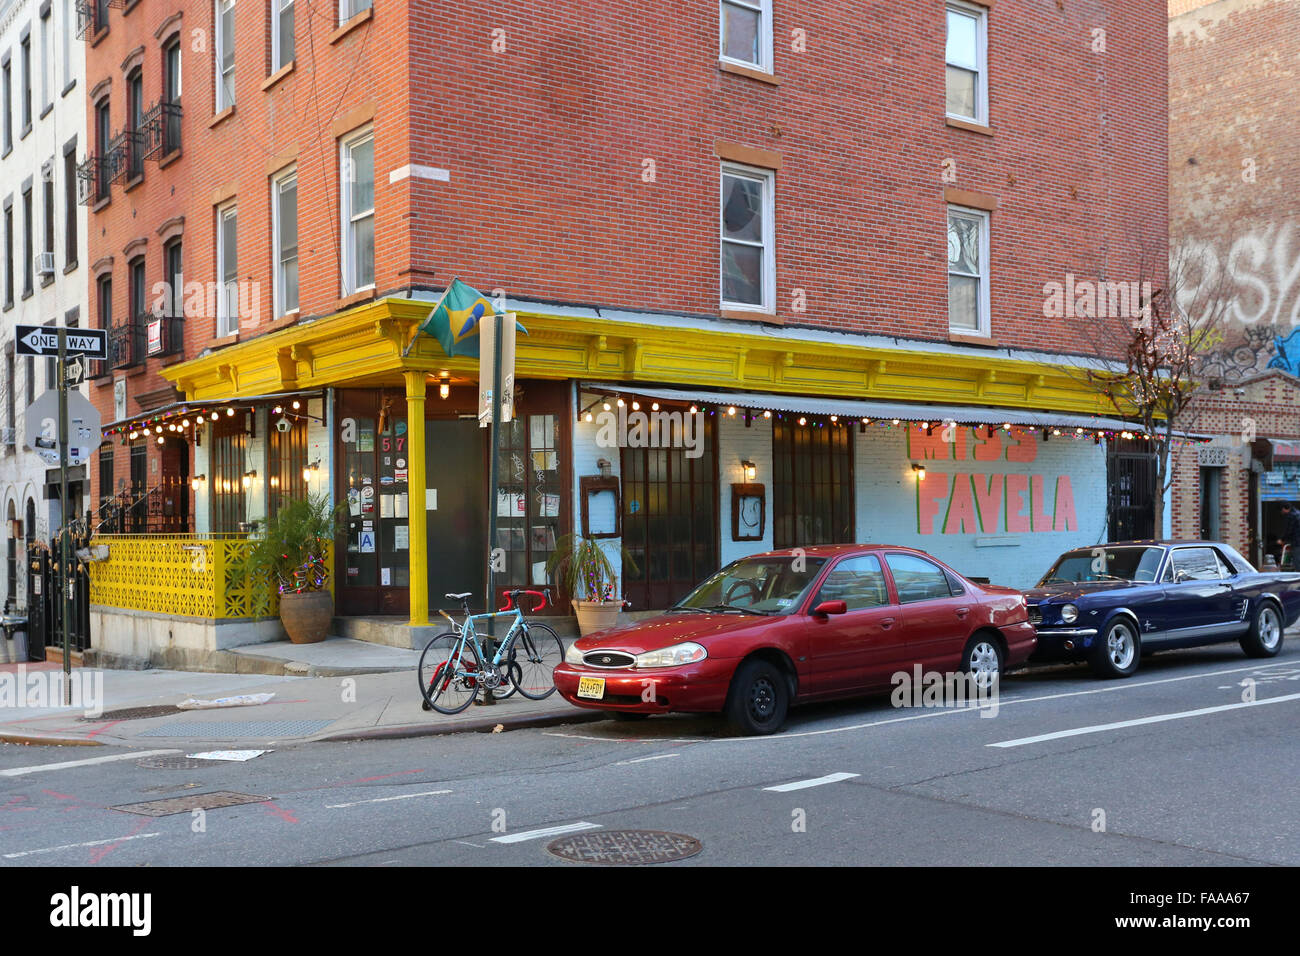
(7, 436)
(45, 263)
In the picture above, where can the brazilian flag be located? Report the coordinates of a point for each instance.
(454, 321)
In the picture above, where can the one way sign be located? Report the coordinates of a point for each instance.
(44, 340)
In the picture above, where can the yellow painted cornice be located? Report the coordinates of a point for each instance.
(363, 347)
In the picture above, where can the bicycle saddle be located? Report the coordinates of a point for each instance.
(457, 597)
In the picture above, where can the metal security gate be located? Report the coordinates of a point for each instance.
(45, 583)
(1131, 491)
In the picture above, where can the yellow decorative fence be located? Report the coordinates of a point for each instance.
(183, 576)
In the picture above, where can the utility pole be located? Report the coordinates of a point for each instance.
(495, 412)
(65, 545)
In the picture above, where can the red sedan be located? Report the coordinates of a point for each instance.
(792, 626)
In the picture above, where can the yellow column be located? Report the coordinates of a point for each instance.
(416, 484)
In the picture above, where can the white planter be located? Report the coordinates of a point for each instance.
(596, 616)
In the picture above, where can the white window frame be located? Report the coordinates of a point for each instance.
(224, 312)
(350, 285)
(278, 182)
(278, 7)
(767, 178)
(219, 56)
(764, 10)
(984, 302)
(350, 8)
(69, 18)
(981, 16)
(47, 56)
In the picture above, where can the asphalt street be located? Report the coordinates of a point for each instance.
(1170, 767)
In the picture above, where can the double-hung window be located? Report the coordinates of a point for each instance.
(745, 33)
(28, 243)
(227, 272)
(350, 8)
(747, 238)
(967, 62)
(281, 33)
(7, 90)
(26, 45)
(225, 59)
(968, 270)
(284, 222)
(47, 57)
(357, 177)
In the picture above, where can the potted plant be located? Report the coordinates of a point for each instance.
(290, 554)
(587, 575)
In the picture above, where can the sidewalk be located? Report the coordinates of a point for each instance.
(357, 706)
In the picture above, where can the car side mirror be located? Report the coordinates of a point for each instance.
(827, 608)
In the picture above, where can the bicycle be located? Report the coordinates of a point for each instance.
(450, 670)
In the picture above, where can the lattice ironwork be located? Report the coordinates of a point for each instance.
(89, 180)
(161, 130)
(91, 21)
(118, 158)
(126, 343)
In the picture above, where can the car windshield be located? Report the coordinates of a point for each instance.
(1106, 564)
(767, 585)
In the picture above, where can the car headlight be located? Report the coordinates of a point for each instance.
(1069, 614)
(678, 654)
(573, 655)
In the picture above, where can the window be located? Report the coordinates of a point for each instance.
(28, 248)
(227, 272)
(858, 582)
(69, 28)
(286, 461)
(1196, 564)
(968, 270)
(31, 378)
(13, 392)
(105, 473)
(171, 95)
(284, 224)
(225, 54)
(135, 124)
(104, 293)
(350, 8)
(226, 474)
(357, 176)
(47, 212)
(6, 80)
(746, 33)
(281, 33)
(135, 272)
(103, 135)
(812, 484)
(748, 249)
(70, 204)
(967, 58)
(174, 276)
(916, 579)
(26, 46)
(9, 254)
(47, 59)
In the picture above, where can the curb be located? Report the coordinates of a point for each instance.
(485, 726)
(47, 741)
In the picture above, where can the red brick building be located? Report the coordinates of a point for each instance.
(832, 213)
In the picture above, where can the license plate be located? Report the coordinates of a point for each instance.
(592, 688)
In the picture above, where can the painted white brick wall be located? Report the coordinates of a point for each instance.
(202, 497)
(736, 443)
(319, 448)
(586, 452)
(255, 498)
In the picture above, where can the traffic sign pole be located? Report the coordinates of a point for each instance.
(64, 543)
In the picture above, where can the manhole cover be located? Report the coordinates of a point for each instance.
(625, 847)
(199, 801)
(175, 763)
(137, 713)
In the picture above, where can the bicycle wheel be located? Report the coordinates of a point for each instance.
(448, 674)
(537, 652)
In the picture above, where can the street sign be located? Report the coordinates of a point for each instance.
(44, 340)
(487, 355)
(41, 428)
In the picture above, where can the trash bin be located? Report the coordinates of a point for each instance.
(20, 644)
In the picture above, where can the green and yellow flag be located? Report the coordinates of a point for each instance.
(454, 321)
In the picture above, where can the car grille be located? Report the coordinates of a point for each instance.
(1035, 614)
(608, 659)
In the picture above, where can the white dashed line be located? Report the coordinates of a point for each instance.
(404, 796)
(89, 761)
(77, 846)
(815, 782)
(624, 763)
(548, 831)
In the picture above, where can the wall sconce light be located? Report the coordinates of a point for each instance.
(605, 466)
(230, 413)
(444, 386)
(751, 470)
(279, 409)
(309, 472)
(197, 481)
(296, 404)
(920, 472)
(249, 476)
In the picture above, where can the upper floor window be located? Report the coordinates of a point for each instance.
(26, 45)
(47, 57)
(968, 270)
(225, 59)
(69, 17)
(70, 204)
(135, 124)
(9, 253)
(227, 271)
(967, 59)
(746, 33)
(171, 58)
(104, 286)
(281, 33)
(174, 277)
(357, 177)
(284, 222)
(7, 82)
(350, 8)
(747, 236)
(103, 136)
(28, 250)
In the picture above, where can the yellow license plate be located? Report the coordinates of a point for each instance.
(592, 688)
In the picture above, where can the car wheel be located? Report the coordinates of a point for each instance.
(758, 699)
(628, 715)
(982, 659)
(1116, 651)
(1265, 636)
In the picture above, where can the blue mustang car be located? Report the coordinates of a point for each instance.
(1113, 603)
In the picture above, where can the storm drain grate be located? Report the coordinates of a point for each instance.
(625, 847)
(165, 762)
(198, 801)
(237, 729)
(137, 713)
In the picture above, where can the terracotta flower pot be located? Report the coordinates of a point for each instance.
(596, 616)
(306, 616)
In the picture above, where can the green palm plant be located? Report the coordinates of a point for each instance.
(291, 551)
(583, 568)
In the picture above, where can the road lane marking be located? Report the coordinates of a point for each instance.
(545, 832)
(404, 796)
(1158, 718)
(624, 763)
(78, 846)
(68, 764)
(815, 782)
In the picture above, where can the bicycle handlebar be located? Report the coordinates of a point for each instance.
(543, 595)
